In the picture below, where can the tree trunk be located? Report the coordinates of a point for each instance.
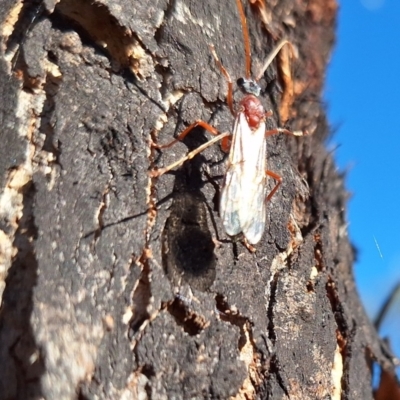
(117, 285)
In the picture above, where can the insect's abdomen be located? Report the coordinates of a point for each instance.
(242, 205)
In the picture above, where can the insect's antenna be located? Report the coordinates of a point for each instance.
(227, 77)
(246, 38)
(272, 55)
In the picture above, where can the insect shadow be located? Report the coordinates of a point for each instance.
(187, 244)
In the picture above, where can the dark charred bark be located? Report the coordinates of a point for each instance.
(112, 283)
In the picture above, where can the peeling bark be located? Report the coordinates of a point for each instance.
(118, 285)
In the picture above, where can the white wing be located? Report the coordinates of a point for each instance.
(242, 205)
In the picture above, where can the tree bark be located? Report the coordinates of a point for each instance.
(117, 285)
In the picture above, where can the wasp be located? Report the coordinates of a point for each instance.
(243, 197)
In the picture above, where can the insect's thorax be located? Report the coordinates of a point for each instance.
(253, 110)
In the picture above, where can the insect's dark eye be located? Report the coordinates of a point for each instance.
(240, 82)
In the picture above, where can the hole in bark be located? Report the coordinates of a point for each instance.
(96, 20)
(310, 286)
(270, 310)
(148, 371)
(141, 297)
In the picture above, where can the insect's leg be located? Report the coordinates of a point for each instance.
(278, 180)
(158, 172)
(229, 96)
(248, 246)
(268, 114)
(183, 134)
(286, 131)
(226, 143)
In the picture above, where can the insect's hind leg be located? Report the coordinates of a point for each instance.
(278, 180)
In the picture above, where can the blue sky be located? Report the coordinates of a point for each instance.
(362, 95)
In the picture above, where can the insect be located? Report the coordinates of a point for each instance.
(243, 196)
